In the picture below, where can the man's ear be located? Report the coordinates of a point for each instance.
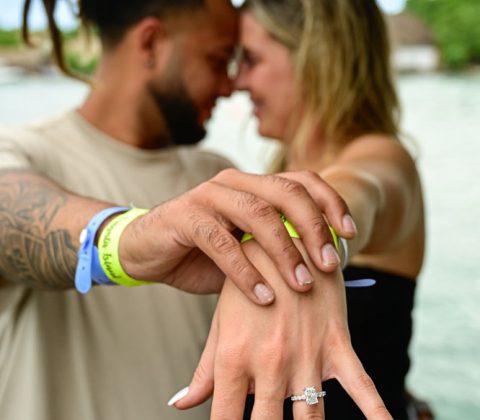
(153, 41)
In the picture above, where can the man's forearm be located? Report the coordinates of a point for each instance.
(39, 227)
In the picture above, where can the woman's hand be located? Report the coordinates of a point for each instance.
(277, 351)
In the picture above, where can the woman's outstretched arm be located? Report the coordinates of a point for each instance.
(378, 179)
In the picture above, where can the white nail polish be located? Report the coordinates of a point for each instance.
(178, 396)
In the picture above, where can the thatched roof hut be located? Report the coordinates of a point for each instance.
(407, 29)
(414, 45)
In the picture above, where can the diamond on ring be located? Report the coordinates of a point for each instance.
(310, 396)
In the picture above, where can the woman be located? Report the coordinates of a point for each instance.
(319, 77)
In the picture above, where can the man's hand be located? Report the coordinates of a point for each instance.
(190, 242)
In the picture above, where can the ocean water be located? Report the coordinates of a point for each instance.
(442, 115)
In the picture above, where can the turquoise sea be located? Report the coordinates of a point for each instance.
(442, 115)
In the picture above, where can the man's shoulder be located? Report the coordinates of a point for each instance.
(198, 156)
(31, 144)
(38, 129)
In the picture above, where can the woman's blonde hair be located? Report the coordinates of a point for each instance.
(341, 55)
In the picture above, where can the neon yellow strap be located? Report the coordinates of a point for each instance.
(108, 248)
(290, 229)
(292, 232)
(334, 236)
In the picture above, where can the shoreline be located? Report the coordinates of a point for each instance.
(37, 60)
(26, 60)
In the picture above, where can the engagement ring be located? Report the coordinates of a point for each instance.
(310, 396)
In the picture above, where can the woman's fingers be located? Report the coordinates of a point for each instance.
(201, 386)
(231, 387)
(360, 387)
(269, 397)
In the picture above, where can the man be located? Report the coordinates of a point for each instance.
(117, 352)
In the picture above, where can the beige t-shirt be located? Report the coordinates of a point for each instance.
(116, 353)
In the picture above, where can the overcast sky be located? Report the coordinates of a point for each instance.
(10, 12)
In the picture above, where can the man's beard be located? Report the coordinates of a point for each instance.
(180, 114)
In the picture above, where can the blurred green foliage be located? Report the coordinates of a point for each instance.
(81, 65)
(10, 38)
(456, 25)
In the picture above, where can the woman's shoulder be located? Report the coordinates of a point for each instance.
(377, 149)
(376, 143)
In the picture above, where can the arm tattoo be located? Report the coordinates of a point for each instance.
(32, 253)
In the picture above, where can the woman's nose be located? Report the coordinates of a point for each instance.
(240, 81)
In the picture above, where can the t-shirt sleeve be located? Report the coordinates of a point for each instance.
(12, 155)
(217, 162)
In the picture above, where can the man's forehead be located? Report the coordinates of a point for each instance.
(217, 24)
(222, 16)
(220, 6)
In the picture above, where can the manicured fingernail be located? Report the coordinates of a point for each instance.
(178, 396)
(349, 225)
(263, 293)
(302, 275)
(330, 255)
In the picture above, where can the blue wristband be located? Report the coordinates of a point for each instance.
(88, 266)
(98, 275)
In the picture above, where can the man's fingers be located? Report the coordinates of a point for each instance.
(331, 203)
(225, 250)
(291, 198)
(360, 387)
(258, 217)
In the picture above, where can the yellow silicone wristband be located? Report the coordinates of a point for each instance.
(292, 232)
(108, 248)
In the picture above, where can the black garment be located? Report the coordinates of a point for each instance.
(379, 318)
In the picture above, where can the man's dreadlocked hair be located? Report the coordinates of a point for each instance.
(112, 18)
